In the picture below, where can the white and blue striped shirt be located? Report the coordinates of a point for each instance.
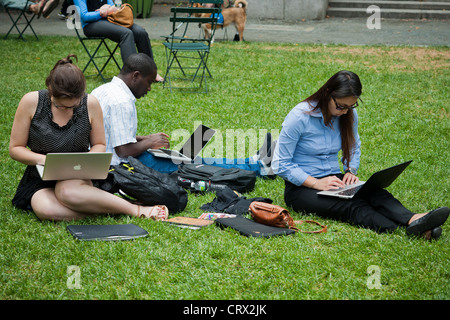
(119, 115)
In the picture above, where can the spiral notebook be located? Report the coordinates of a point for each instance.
(189, 223)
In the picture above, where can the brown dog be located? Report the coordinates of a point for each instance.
(236, 15)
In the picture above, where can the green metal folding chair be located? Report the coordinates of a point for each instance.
(187, 55)
(20, 19)
(185, 26)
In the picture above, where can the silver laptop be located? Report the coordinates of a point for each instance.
(381, 179)
(75, 165)
(193, 146)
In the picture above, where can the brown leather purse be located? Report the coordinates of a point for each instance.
(122, 17)
(276, 216)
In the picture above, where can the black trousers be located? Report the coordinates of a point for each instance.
(380, 211)
(128, 38)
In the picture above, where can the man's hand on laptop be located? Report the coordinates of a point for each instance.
(156, 140)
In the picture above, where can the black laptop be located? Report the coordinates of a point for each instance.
(381, 179)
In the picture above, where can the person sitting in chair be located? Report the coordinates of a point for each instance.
(94, 13)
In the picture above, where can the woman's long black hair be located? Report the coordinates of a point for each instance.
(342, 84)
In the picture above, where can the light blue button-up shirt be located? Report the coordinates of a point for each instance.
(306, 147)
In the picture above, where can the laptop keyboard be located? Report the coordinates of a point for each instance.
(350, 191)
(166, 151)
(170, 152)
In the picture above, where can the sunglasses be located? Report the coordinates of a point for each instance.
(339, 107)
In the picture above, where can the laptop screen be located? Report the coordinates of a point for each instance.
(197, 141)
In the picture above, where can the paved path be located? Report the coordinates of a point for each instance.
(328, 31)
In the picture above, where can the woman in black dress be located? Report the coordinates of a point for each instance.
(63, 118)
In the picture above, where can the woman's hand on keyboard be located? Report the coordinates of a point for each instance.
(350, 178)
(329, 183)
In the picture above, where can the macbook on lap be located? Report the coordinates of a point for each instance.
(381, 179)
(75, 165)
(196, 142)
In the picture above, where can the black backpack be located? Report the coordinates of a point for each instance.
(148, 186)
(236, 179)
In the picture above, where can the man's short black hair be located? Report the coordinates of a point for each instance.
(139, 62)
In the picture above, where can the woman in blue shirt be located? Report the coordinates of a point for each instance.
(94, 13)
(306, 156)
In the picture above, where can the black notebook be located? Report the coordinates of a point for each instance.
(107, 232)
(251, 228)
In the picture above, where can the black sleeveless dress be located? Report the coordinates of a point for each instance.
(45, 136)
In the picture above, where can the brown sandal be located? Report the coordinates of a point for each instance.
(49, 7)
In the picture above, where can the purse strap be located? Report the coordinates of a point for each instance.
(126, 4)
(299, 222)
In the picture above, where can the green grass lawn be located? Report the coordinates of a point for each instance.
(405, 115)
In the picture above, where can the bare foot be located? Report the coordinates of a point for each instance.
(37, 8)
(159, 78)
(156, 212)
(416, 216)
(427, 235)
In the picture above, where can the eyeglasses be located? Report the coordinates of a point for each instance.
(339, 107)
(67, 107)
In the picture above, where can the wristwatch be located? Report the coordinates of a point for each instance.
(351, 170)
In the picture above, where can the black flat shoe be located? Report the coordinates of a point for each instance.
(431, 235)
(430, 221)
(436, 233)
